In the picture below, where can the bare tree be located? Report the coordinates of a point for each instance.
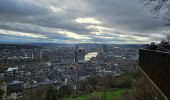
(166, 38)
(159, 6)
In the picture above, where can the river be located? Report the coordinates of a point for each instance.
(88, 56)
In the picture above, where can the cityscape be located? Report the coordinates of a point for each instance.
(84, 50)
(39, 68)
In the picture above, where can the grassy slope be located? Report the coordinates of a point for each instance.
(109, 94)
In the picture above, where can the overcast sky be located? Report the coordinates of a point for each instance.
(78, 21)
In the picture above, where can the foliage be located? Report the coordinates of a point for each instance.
(166, 38)
(124, 81)
(54, 94)
(128, 86)
(64, 91)
(164, 44)
(146, 91)
(152, 46)
(83, 84)
(109, 95)
(1, 91)
(93, 80)
(102, 83)
(51, 93)
(1, 94)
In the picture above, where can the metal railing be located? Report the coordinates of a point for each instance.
(156, 65)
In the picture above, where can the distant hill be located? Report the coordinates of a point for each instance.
(130, 45)
(18, 46)
(91, 45)
(88, 45)
(84, 45)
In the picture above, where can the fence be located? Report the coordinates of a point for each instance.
(156, 65)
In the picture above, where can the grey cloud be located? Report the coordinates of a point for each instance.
(28, 28)
(128, 15)
(125, 17)
(22, 7)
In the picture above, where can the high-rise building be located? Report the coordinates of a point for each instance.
(79, 54)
